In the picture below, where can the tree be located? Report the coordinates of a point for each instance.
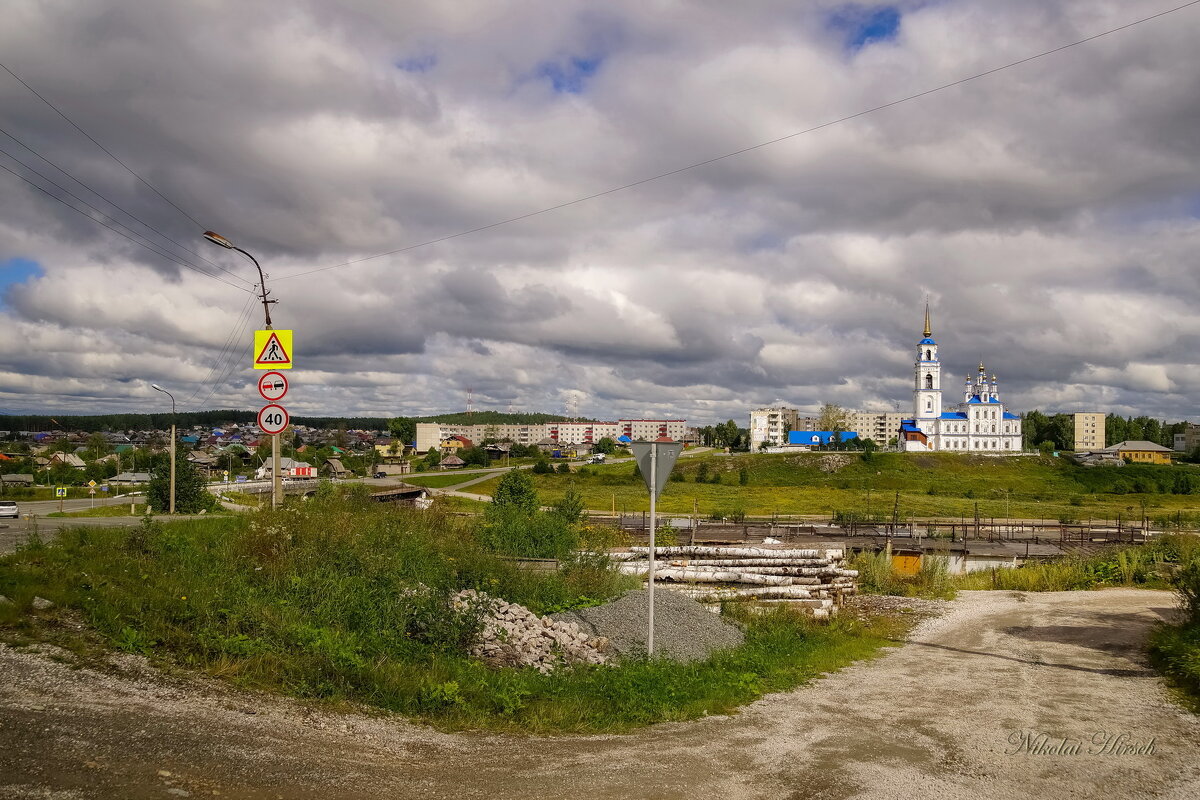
(607, 445)
(403, 428)
(743, 476)
(191, 493)
(564, 468)
(515, 490)
(542, 467)
(97, 445)
(833, 418)
(570, 507)
(475, 456)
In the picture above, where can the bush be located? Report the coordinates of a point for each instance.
(743, 476)
(542, 467)
(564, 468)
(511, 531)
(516, 490)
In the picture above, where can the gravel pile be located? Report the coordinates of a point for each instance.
(513, 636)
(865, 605)
(684, 630)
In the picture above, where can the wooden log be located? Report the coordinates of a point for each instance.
(738, 552)
(753, 562)
(706, 575)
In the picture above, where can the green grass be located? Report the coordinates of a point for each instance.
(113, 510)
(929, 485)
(441, 481)
(1149, 566)
(341, 598)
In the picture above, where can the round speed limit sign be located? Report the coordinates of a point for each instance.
(272, 419)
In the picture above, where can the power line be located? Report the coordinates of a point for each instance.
(102, 147)
(218, 362)
(114, 205)
(750, 148)
(148, 245)
(230, 365)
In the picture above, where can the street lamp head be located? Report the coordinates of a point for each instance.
(217, 238)
(156, 386)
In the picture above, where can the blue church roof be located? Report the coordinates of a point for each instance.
(1010, 415)
(975, 399)
(927, 340)
(953, 415)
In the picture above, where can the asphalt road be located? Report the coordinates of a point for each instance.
(956, 712)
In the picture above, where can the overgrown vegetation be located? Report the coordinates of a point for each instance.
(341, 598)
(945, 485)
(1175, 649)
(1149, 566)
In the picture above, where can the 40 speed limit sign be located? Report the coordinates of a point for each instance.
(272, 419)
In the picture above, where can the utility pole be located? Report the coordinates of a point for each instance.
(171, 503)
(276, 478)
(653, 483)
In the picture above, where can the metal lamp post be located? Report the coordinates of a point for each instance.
(276, 477)
(171, 509)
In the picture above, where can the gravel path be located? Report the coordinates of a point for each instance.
(939, 717)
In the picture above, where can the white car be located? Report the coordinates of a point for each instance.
(8, 508)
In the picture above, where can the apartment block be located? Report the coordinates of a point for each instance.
(771, 425)
(1089, 430)
(431, 434)
(1189, 440)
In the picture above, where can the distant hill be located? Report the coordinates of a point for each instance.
(186, 419)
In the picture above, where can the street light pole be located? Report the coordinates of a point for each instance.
(171, 510)
(276, 477)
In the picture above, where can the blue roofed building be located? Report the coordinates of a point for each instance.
(980, 423)
(814, 438)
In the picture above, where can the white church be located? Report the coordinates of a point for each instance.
(980, 423)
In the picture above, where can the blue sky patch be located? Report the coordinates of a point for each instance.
(570, 75)
(417, 63)
(861, 25)
(17, 270)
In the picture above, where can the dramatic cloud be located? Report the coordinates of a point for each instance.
(1048, 211)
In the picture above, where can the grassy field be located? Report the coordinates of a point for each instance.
(929, 485)
(442, 481)
(342, 598)
(114, 510)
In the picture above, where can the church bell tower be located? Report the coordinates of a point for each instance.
(927, 391)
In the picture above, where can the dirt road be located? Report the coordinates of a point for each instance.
(954, 713)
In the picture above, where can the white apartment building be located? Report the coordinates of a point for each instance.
(771, 425)
(431, 434)
(1089, 430)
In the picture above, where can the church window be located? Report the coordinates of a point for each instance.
(928, 381)
(929, 355)
(993, 429)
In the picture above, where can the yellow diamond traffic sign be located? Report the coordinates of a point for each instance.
(272, 349)
(92, 484)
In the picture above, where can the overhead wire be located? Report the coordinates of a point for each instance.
(747, 149)
(118, 207)
(225, 349)
(146, 243)
(90, 138)
(231, 362)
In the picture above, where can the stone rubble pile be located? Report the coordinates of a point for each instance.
(513, 636)
(815, 580)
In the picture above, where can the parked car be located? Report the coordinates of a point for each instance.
(379, 475)
(8, 508)
(597, 459)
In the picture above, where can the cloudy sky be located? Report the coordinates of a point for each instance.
(1048, 211)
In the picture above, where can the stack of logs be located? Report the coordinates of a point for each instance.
(816, 580)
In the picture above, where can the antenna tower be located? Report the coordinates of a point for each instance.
(470, 402)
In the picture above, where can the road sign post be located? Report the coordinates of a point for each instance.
(655, 460)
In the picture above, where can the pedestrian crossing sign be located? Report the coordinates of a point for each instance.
(273, 349)
(60, 491)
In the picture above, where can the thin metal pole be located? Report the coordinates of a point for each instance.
(653, 486)
(172, 503)
(276, 478)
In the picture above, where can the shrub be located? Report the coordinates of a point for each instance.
(743, 476)
(516, 490)
(564, 468)
(542, 467)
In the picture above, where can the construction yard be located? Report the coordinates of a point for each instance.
(1001, 695)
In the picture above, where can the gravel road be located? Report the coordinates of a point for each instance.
(953, 713)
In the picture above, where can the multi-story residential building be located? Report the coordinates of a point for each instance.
(432, 434)
(878, 426)
(1189, 439)
(1089, 430)
(771, 425)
